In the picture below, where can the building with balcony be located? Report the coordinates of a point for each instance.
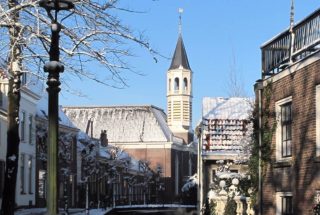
(288, 98)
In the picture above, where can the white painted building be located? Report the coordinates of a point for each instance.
(25, 188)
(3, 128)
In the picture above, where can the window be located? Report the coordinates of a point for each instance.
(190, 165)
(176, 85)
(318, 120)
(284, 129)
(185, 85)
(169, 87)
(213, 175)
(30, 163)
(22, 126)
(22, 179)
(1, 98)
(30, 129)
(176, 175)
(23, 78)
(284, 203)
(2, 171)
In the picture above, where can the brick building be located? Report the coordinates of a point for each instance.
(288, 97)
(147, 133)
(143, 133)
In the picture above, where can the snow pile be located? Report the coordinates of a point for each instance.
(191, 183)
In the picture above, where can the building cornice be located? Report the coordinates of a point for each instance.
(30, 95)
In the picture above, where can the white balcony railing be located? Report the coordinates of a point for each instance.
(276, 52)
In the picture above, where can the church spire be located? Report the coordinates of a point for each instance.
(180, 58)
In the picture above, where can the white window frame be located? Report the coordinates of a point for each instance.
(23, 126)
(278, 105)
(318, 120)
(279, 196)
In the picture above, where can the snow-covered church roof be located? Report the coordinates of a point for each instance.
(226, 108)
(123, 123)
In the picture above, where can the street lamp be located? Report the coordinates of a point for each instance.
(53, 67)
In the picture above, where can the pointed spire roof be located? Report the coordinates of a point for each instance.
(180, 56)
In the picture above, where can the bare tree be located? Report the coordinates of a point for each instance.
(235, 85)
(93, 35)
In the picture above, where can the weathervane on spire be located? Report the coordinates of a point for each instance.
(180, 10)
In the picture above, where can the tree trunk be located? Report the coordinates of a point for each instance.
(13, 140)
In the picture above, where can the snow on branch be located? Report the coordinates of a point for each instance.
(93, 34)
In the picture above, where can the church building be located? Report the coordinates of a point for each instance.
(146, 133)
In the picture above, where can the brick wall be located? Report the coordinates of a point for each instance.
(301, 175)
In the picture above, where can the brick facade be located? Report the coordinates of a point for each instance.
(165, 158)
(301, 174)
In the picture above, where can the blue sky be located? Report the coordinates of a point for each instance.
(214, 32)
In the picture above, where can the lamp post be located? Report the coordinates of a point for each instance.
(53, 67)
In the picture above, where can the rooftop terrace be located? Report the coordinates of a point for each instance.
(291, 46)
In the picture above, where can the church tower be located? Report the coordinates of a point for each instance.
(179, 93)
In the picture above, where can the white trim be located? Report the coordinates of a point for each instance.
(278, 129)
(318, 120)
(279, 201)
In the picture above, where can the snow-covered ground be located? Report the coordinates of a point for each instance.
(74, 211)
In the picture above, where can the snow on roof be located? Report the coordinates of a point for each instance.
(226, 108)
(134, 164)
(104, 153)
(42, 112)
(122, 123)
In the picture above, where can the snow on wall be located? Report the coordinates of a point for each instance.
(123, 123)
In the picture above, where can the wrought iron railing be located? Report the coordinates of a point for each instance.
(276, 53)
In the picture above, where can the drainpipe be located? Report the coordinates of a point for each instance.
(199, 172)
(259, 87)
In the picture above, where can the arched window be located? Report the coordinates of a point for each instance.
(185, 84)
(169, 87)
(176, 85)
